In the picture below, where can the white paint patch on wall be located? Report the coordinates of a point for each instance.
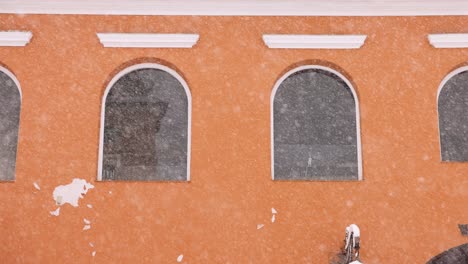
(180, 258)
(56, 212)
(72, 192)
(273, 216)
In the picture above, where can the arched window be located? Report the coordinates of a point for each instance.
(145, 126)
(315, 126)
(10, 106)
(452, 105)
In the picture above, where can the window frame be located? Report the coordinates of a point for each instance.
(18, 86)
(444, 81)
(116, 78)
(356, 101)
(15, 80)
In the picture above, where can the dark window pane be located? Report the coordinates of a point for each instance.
(315, 128)
(10, 103)
(453, 118)
(463, 229)
(456, 255)
(146, 128)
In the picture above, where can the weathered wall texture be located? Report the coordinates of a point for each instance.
(408, 206)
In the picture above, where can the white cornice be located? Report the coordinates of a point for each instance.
(314, 41)
(239, 7)
(147, 40)
(455, 40)
(15, 38)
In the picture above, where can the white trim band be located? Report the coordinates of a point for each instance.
(314, 41)
(239, 7)
(147, 40)
(15, 38)
(454, 40)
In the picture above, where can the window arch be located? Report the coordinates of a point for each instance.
(315, 133)
(145, 126)
(452, 106)
(10, 107)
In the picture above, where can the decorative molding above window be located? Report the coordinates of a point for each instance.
(285, 41)
(147, 40)
(454, 40)
(239, 7)
(15, 38)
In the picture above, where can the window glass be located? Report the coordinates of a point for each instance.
(10, 103)
(314, 128)
(453, 118)
(146, 128)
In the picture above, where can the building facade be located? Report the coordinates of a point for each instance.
(220, 202)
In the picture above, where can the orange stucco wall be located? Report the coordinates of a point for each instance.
(408, 205)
